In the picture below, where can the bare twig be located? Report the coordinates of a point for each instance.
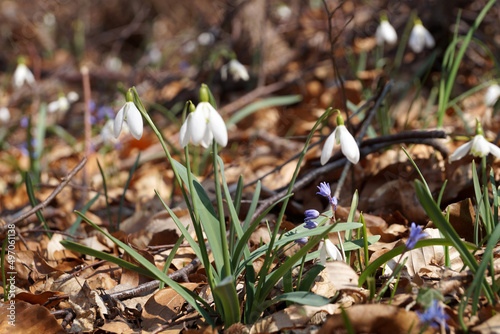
(367, 147)
(143, 288)
(44, 203)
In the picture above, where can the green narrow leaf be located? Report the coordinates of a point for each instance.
(111, 226)
(309, 278)
(34, 202)
(76, 224)
(226, 292)
(188, 295)
(170, 257)
(253, 206)
(122, 199)
(79, 248)
(265, 103)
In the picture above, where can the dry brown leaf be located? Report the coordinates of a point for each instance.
(28, 319)
(426, 261)
(30, 266)
(118, 327)
(341, 275)
(462, 218)
(323, 286)
(375, 318)
(39, 299)
(490, 326)
(295, 316)
(83, 303)
(163, 306)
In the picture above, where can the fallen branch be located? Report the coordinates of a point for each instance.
(49, 199)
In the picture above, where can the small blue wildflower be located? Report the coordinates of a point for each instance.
(415, 235)
(310, 224)
(310, 215)
(302, 241)
(434, 315)
(325, 191)
(24, 122)
(105, 112)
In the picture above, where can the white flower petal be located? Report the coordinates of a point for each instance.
(492, 95)
(386, 33)
(117, 128)
(4, 115)
(417, 38)
(322, 253)
(495, 150)
(480, 146)
(207, 139)
(134, 120)
(327, 151)
(218, 128)
(184, 133)
(429, 40)
(329, 250)
(460, 152)
(199, 122)
(238, 70)
(348, 145)
(53, 106)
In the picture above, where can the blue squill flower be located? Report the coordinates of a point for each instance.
(310, 215)
(415, 235)
(325, 191)
(434, 315)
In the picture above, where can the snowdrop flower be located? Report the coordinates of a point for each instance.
(4, 115)
(386, 33)
(347, 143)
(203, 124)
(434, 315)
(236, 69)
(328, 249)
(61, 104)
(420, 38)
(492, 95)
(415, 235)
(107, 134)
(478, 147)
(73, 97)
(130, 114)
(22, 74)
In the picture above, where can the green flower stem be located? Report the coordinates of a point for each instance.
(148, 119)
(365, 239)
(301, 270)
(220, 209)
(263, 272)
(197, 224)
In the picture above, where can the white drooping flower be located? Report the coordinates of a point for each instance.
(420, 38)
(236, 69)
(22, 74)
(107, 134)
(4, 115)
(478, 147)
(61, 104)
(130, 114)
(73, 96)
(329, 250)
(386, 33)
(347, 143)
(492, 95)
(203, 124)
